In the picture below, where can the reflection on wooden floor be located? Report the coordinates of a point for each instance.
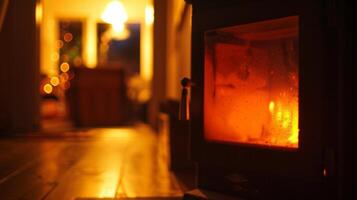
(97, 163)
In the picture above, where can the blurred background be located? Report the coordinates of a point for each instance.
(91, 63)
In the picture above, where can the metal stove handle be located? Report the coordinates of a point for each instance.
(184, 114)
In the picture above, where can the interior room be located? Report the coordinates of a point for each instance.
(177, 99)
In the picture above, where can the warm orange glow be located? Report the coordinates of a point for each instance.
(109, 186)
(90, 44)
(146, 54)
(64, 67)
(55, 81)
(55, 57)
(149, 14)
(59, 44)
(68, 37)
(271, 106)
(47, 88)
(3, 9)
(66, 85)
(115, 15)
(294, 137)
(39, 13)
(77, 61)
(146, 49)
(90, 15)
(251, 84)
(64, 77)
(119, 32)
(118, 27)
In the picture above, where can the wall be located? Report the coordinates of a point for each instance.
(19, 74)
(178, 46)
(172, 52)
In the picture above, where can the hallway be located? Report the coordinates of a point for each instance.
(84, 164)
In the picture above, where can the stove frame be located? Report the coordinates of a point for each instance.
(262, 172)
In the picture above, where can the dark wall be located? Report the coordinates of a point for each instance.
(19, 72)
(347, 163)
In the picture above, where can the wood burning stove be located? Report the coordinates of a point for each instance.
(252, 83)
(260, 101)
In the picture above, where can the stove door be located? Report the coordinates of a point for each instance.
(251, 87)
(256, 106)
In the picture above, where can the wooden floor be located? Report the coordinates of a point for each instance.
(88, 164)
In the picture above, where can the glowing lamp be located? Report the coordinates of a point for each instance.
(115, 13)
(149, 15)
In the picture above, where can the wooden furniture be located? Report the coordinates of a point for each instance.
(97, 97)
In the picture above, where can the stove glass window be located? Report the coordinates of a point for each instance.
(251, 83)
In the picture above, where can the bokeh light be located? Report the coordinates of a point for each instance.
(64, 67)
(68, 37)
(55, 81)
(47, 88)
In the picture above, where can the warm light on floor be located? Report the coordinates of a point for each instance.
(88, 164)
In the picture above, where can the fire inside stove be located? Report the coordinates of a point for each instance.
(251, 83)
